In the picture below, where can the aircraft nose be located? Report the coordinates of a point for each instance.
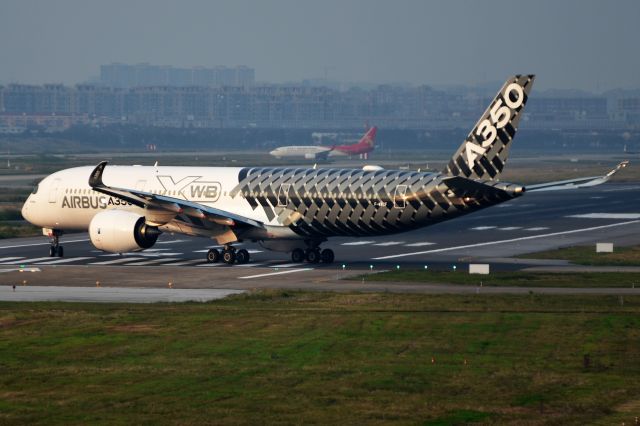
(26, 211)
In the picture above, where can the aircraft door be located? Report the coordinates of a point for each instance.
(283, 195)
(140, 185)
(400, 197)
(53, 190)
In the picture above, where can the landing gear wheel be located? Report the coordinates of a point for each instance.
(213, 256)
(327, 256)
(297, 256)
(313, 256)
(229, 257)
(242, 256)
(55, 249)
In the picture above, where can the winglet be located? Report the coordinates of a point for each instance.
(619, 167)
(95, 179)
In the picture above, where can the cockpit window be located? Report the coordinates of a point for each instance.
(35, 189)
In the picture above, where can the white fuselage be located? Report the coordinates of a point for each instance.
(65, 201)
(308, 151)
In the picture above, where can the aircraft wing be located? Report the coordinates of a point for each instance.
(576, 183)
(171, 204)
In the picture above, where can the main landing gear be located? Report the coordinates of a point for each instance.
(56, 249)
(312, 255)
(229, 255)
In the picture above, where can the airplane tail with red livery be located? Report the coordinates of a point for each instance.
(364, 146)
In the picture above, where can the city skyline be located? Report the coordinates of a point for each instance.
(567, 44)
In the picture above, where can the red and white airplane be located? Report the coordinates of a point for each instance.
(364, 146)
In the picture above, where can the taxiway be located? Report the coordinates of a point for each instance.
(534, 222)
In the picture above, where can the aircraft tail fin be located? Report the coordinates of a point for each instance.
(485, 151)
(369, 138)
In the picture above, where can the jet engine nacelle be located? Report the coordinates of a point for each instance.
(310, 156)
(119, 231)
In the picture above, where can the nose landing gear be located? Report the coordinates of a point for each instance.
(56, 249)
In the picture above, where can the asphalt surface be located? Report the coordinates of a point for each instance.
(110, 294)
(534, 222)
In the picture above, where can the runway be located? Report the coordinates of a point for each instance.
(534, 222)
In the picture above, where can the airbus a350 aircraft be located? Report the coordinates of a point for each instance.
(126, 208)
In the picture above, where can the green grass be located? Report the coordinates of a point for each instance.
(586, 255)
(288, 357)
(18, 230)
(510, 279)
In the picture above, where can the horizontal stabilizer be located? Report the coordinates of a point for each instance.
(463, 187)
(577, 183)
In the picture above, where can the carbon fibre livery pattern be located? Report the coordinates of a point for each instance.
(353, 202)
(485, 150)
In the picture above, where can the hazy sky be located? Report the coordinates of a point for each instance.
(585, 44)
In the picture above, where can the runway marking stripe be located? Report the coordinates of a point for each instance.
(420, 244)
(6, 259)
(151, 262)
(242, 265)
(511, 240)
(509, 228)
(537, 228)
(116, 261)
(606, 216)
(389, 243)
(67, 260)
(483, 228)
(358, 243)
(287, 265)
(144, 254)
(44, 244)
(290, 271)
(187, 262)
(627, 188)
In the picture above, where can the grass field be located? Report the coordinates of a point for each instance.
(286, 358)
(511, 279)
(12, 224)
(586, 255)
